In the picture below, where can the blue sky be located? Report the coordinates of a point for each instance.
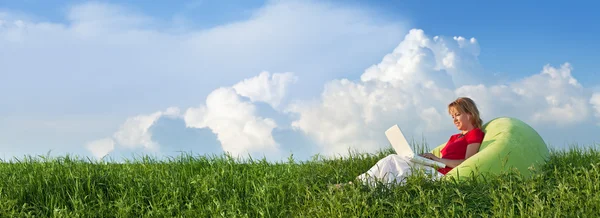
(137, 76)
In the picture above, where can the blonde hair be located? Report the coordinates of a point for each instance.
(467, 105)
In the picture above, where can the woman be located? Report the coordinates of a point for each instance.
(461, 146)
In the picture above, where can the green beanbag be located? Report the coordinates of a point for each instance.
(508, 144)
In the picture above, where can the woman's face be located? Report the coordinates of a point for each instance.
(461, 120)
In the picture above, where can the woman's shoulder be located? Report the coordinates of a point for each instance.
(477, 131)
(475, 136)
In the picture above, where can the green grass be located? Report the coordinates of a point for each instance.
(220, 186)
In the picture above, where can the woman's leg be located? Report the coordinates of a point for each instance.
(395, 169)
(391, 169)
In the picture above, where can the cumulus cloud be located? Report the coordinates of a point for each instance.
(101, 148)
(551, 97)
(231, 118)
(420, 59)
(266, 88)
(133, 133)
(354, 115)
(234, 122)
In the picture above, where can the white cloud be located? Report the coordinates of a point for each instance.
(551, 97)
(266, 88)
(420, 59)
(595, 101)
(133, 133)
(235, 122)
(101, 148)
(354, 115)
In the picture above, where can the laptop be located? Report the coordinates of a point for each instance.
(400, 144)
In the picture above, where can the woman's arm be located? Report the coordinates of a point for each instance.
(472, 149)
(449, 162)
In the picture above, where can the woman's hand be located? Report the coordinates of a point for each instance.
(430, 156)
(448, 162)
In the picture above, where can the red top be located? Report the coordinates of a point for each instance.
(456, 147)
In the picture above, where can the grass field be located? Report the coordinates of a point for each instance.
(219, 186)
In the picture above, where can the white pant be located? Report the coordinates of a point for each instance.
(394, 169)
